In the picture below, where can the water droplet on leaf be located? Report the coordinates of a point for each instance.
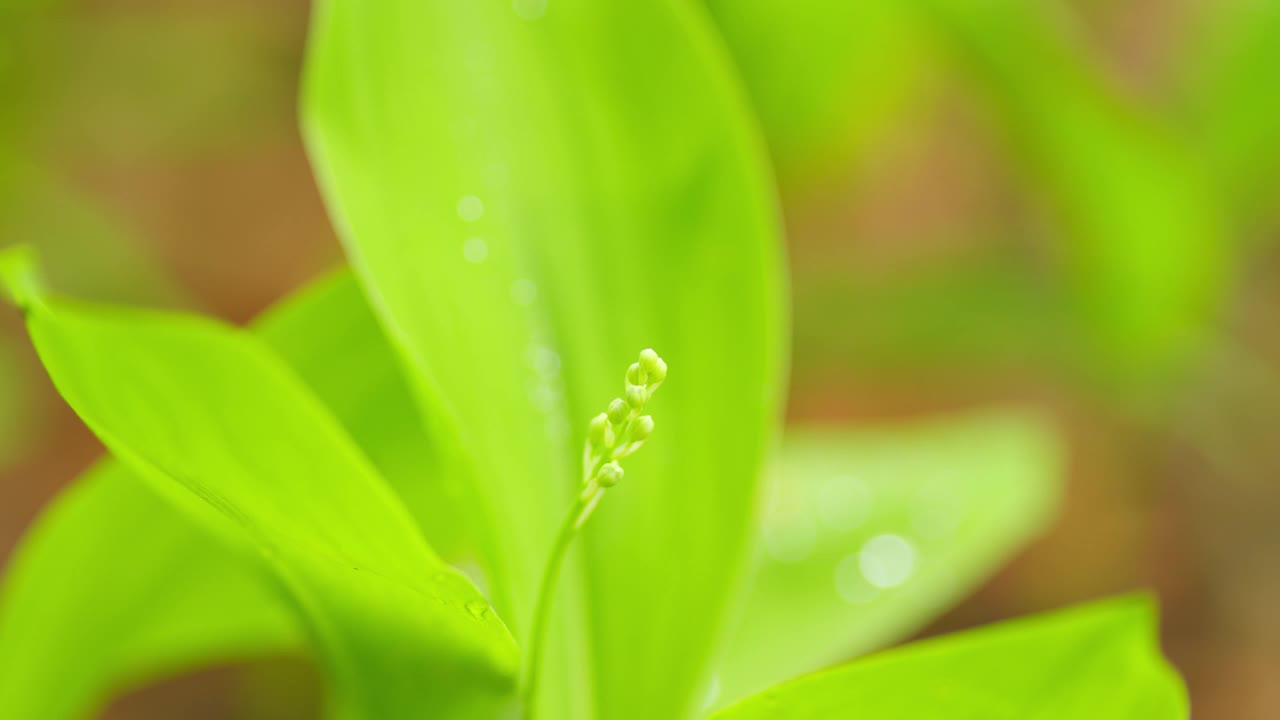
(478, 609)
(475, 250)
(887, 560)
(524, 292)
(530, 9)
(470, 208)
(850, 583)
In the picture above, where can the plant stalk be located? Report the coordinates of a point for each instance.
(573, 521)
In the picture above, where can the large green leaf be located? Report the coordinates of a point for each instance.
(1098, 661)
(531, 193)
(143, 570)
(216, 423)
(872, 532)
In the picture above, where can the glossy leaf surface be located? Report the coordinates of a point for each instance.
(112, 561)
(1094, 661)
(871, 533)
(531, 193)
(216, 423)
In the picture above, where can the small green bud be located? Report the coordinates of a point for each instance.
(658, 373)
(636, 396)
(610, 474)
(642, 428)
(618, 411)
(598, 431)
(649, 359)
(635, 375)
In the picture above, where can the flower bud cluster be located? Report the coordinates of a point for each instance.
(622, 429)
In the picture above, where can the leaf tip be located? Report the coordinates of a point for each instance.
(20, 276)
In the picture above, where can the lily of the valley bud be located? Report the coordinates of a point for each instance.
(635, 375)
(599, 434)
(658, 373)
(653, 367)
(649, 359)
(610, 474)
(618, 411)
(642, 428)
(623, 425)
(636, 396)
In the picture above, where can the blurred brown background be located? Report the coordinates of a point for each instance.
(160, 163)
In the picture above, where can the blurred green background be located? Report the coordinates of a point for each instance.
(1070, 205)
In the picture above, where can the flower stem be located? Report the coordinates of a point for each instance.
(611, 436)
(573, 521)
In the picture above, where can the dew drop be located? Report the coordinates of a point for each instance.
(470, 208)
(524, 292)
(851, 584)
(475, 250)
(530, 9)
(544, 360)
(478, 608)
(543, 397)
(887, 560)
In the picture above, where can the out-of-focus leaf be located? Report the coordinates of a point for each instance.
(112, 588)
(958, 313)
(78, 239)
(1235, 113)
(222, 80)
(109, 550)
(872, 532)
(1143, 238)
(531, 193)
(824, 77)
(1100, 661)
(215, 422)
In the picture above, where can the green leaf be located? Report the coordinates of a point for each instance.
(1144, 240)
(1099, 661)
(48, 670)
(111, 588)
(216, 423)
(871, 533)
(329, 336)
(1235, 121)
(531, 194)
(950, 314)
(825, 78)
